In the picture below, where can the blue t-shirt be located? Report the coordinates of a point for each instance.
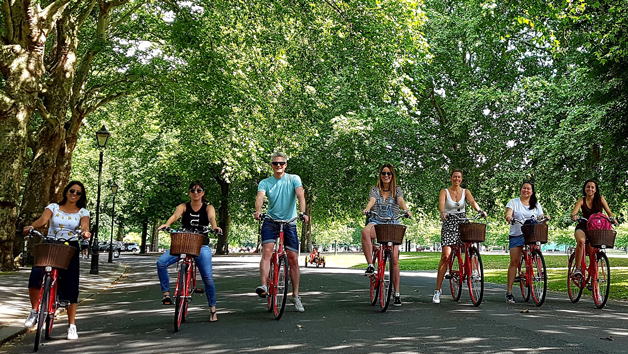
(282, 196)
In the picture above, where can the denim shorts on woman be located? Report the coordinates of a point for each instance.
(516, 241)
(270, 232)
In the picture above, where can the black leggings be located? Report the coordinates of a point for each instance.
(68, 279)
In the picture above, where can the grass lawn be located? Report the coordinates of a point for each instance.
(496, 266)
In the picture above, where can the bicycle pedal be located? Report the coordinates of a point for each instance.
(448, 276)
(199, 291)
(517, 280)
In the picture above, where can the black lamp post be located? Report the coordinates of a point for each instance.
(101, 137)
(114, 189)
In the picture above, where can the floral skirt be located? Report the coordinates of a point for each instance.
(450, 232)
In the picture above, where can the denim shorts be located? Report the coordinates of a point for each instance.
(270, 232)
(377, 221)
(516, 241)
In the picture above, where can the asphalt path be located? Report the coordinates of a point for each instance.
(129, 317)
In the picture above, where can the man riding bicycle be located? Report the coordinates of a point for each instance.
(282, 190)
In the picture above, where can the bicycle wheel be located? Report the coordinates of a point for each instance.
(475, 280)
(385, 281)
(53, 307)
(179, 301)
(574, 284)
(522, 271)
(43, 309)
(269, 285)
(602, 280)
(455, 275)
(282, 279)
(374, 281)
(189, 289)
(539, 278)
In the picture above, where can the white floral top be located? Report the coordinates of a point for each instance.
(61, 222)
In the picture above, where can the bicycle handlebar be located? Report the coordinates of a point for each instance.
(540, 218)
(477, 216)
(263, 216)
(78, 234)
(402, 214)
(203, 229)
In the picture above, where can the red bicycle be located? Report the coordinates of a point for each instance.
(279, 274)
(381, 280)
(472, 269)
(51, 255)
(187, 246)
(596, 277)
(531, 270)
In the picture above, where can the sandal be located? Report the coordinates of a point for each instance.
(166, 300)
(211, 315)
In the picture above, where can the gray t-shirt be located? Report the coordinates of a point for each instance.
(381, 204)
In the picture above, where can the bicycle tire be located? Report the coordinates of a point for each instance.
(522, 270)
(374, 281)
(455, 275)
(190, 282)
(475, 280)
(51, 316)
(281, 280)
(179, 298)
(602, 282)
(269, 285)
(539, 278)
(574, 285)
(43, 309)
(386, 282)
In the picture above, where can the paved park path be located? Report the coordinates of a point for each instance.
(128, 318)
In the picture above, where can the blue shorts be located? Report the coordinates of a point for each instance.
(377, 221)
(270, 232)
(516, 241)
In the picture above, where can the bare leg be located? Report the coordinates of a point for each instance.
(580, 240)
(396, 278)
(33, 295)
(72, 313)
(293, 261)
(368, 233)
(264, 264)
(515, 257)
(442, 266)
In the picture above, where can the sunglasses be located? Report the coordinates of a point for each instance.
(386, 173)
(74, 191)
(278, 163)
(196, 190)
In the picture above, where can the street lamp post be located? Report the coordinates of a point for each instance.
(114, 189)
(101, 137)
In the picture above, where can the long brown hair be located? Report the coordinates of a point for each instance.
(597, 197)
(393, 182)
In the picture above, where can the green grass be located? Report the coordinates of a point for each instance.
(495, 269)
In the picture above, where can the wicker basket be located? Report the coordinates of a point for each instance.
(539, 234)
(472, 232)
(598, 238)
(186, 242)
(390, 233)
(54, 255)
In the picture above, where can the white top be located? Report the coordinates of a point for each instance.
(452, 206)
(522, 212)
(61, 222)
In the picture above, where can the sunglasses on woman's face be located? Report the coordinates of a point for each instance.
(74, 191)
(196, 190)
(386, 173)
(278, 163)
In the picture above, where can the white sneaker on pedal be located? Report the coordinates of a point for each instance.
(297, 303)
(261, 291)
(436, 298)
(31, 320)
(72, 334)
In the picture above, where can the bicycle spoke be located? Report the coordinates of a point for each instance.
(475, 280)
(539, 278)
(574, 283)
(522, 271)
(601, 280)
(455, 274)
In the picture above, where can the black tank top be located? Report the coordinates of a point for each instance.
(193, 218)
(587, 212)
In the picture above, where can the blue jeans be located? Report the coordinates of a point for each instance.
(204, 264)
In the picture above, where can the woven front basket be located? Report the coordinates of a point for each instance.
(186, 242)
(539, 234)
(54, 255)
(598, 238)
(472, 232)
(390, 233)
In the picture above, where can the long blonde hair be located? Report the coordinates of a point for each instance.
(393, 182)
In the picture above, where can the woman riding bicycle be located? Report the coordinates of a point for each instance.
(196, 214)
(385, 199)
(451, 204)
(69, 214)
(522, 208)
(591, 203)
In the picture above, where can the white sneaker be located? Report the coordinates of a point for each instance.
(436, 298)
(297, 303)
(72, 335)
(31, 320)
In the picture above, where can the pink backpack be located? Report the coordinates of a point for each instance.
(599, 221)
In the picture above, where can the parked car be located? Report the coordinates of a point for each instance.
(103, 246)
(131, 247)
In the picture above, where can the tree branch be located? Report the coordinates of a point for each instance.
(51, 13)
(128, 14)
(8, 21)
(43, 111)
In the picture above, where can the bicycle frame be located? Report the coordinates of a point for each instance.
(274, 267)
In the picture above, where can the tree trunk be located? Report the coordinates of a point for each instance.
(224, 217)
(144, 236)
(120, 236)
(306, 229)
(154, 238)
